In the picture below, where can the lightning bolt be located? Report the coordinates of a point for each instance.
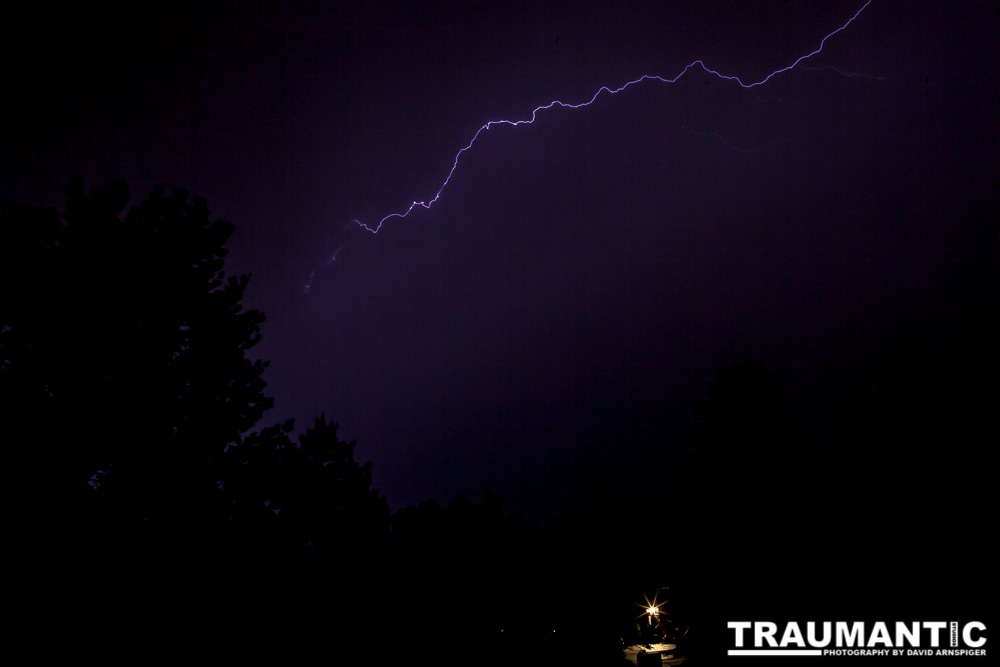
(566, 105)
(603, 89)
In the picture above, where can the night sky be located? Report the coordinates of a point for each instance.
(546, 327)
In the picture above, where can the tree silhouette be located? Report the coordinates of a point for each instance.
(123, 341)
(752, 468)
(748, 440)
(311, 496)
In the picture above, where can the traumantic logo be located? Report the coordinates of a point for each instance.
(843, 638)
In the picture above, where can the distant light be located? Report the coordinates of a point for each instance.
(651, 610)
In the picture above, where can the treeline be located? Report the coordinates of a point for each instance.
(157, 502)
(123, 343)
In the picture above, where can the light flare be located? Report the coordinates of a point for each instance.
(650, 608)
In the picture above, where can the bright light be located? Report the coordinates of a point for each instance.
(651, 609)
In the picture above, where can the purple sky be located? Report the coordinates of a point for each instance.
(546, 327)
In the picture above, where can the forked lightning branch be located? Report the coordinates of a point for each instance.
(858, 639)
